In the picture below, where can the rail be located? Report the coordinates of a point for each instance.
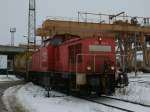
(127, 101)
(143, 82)
(124, 105)
(94, 101)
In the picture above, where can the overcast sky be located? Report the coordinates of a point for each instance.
(14, 13)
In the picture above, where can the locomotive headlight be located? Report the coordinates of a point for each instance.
(112, 67)
(88, 68)
(100, 39)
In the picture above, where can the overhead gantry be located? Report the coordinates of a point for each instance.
(132, 34)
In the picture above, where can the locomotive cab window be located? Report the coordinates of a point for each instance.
(73, 51)
(54, 41)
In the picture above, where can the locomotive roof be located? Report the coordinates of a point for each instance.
(68, 38)
(65, 37)
(61, 38)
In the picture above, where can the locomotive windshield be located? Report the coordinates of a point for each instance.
(56, 41)
(53, 41)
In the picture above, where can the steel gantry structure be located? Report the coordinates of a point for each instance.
(132, 34)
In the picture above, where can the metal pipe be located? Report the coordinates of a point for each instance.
(135, 60)
(113, 15)
(76, 67)
(94, 63)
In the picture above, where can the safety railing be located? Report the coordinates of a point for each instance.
(104, 18)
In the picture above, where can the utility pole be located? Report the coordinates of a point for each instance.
(31, 33)
(32, 25)
(12, 31)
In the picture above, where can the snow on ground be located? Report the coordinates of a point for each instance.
(10, 100)
(138, 92)
(33, 99)
(139, 77)
(4, 78)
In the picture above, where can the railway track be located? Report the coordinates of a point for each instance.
(127, 101)
(123, 105)
(143, 82)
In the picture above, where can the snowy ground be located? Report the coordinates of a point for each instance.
(138, 92)
(5, 78)
(31, 98)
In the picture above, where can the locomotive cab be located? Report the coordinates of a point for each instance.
(93, 62)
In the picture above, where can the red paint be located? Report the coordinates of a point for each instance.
(56, 58)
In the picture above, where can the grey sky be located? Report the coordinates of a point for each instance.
(14, 13)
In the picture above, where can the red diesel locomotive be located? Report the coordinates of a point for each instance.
(71, 63)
